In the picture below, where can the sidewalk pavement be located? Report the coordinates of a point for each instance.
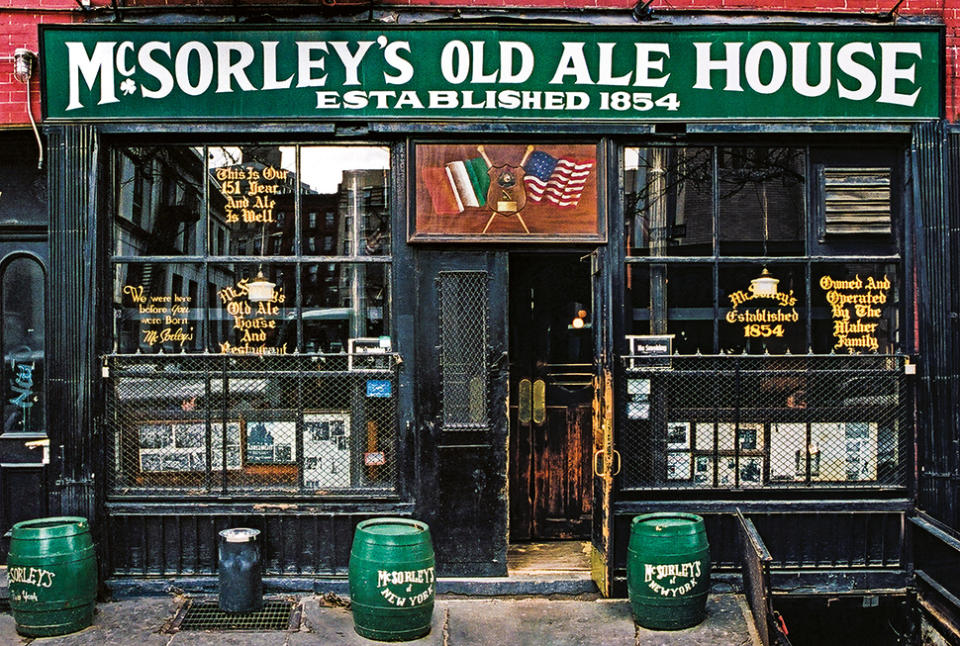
(457, 621)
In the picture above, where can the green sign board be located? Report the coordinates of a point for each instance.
(544, 74)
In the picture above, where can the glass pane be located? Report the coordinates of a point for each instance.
(345, 201)
(158, 195)
(23, 347)
(689, 297)
(343, 301)
(157, 307)
(251, 309)
(762, 309)
(761, 201)
(668, 206)
(252, 193)
(23, 199)
(638, 299)
(856, 308)
(677, 300)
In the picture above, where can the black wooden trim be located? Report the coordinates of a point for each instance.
(730, 506)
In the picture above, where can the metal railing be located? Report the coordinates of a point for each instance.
(756, 560)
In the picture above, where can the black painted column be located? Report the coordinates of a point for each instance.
(73, 174)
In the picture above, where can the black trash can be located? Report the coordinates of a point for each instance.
(241, 584)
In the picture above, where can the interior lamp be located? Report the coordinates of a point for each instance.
(260, 290)
(765, 285)
(579, 317)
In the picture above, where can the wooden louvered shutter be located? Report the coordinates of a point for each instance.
(856, 200)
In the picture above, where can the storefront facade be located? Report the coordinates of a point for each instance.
(519, 283)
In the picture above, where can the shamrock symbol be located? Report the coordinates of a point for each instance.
(128, 87)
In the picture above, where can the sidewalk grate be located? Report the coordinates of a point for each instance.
(206, 615)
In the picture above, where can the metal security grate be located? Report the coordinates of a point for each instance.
(762, 421)
(206, 615)
(307, 424)
(463, 308)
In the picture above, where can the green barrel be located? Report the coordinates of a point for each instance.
(52, 569)
(392, 581)
(668, 570)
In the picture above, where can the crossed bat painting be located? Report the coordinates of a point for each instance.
(520, 192)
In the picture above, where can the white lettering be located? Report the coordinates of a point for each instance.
(606, 76)
(351, 62)
(730, 65)
(125, 47)
(270, 81)
(890, 73)
(205, 69)
(801, 74)
(455, 72)
(100, 64)
(645, 64)
(477, 75)
(392, 57)
(573, 62)
(227, 69)
(155, 69)
(507, 50)
(856, 70)
(306, 64)
(777, 75)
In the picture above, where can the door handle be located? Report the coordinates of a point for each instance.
(539, 402)
(524, 401)
(497, 363)
(598, 463)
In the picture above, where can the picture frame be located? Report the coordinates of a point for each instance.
(327, 454)
(270, 442)
(678, 435)
(180, 446)
(171, 446)
(678, 466)
(489, 191)
(234, 449)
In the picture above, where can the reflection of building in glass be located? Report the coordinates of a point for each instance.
(157, 201)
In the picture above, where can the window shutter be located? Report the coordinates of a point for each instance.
(856, 200)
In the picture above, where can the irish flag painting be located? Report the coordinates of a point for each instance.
(457, 185)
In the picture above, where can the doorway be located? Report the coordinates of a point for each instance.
(551, 390)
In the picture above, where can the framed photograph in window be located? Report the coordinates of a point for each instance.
(678, 466)
(234, 450)
(172, 446)
(271, 442)
(326, 449)
(678, 435)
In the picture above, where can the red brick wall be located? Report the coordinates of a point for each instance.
(18, 28)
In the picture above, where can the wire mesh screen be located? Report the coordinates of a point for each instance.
(463, 299)
(751, 421)
(307, 424)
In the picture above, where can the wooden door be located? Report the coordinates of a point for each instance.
(551, 392)
(25, 455)
(461, 408)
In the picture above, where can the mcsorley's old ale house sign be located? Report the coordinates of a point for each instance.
(483, 74)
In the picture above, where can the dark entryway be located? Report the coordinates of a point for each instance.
(551, 390)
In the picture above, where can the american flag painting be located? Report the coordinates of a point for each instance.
(557, 179)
